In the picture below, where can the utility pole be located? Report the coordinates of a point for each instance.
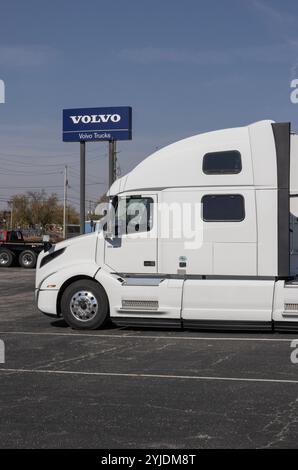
(11, 216)
(118, 168)
(65, 203)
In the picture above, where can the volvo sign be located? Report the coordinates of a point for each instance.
(94, 124)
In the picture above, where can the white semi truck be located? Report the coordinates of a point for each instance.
(241, 272)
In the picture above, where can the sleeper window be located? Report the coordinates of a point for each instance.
(223, 208)
(222, 163)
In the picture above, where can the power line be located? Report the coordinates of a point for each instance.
(5, 171)
(31, 187)
(22, 163)
(58, 155)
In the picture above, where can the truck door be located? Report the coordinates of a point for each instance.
(133, 248)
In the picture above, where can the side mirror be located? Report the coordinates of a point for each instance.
(109, 234)
(47, 245)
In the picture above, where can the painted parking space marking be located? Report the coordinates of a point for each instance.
(130, 336)
(150, 376)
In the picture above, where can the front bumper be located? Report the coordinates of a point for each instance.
(46, 301)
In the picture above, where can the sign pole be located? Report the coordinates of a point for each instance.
(82, 185)
(65, 203)
(115, 160)
(112, 154)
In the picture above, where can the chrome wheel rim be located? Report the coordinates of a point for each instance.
(27, 259)
(4, 258)
(83, 305)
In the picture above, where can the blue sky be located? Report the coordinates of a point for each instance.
(184, 67)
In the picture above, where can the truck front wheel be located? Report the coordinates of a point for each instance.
(27, 259)
(6, 258)
(84, 305)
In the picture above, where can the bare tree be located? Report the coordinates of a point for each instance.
(38, 208)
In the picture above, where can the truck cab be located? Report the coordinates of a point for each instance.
(201, 234)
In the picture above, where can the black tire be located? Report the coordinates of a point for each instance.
(84, 305)
(27, 259)
(6, 258)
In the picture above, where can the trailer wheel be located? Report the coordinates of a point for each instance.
(6, 258)
(84, 305)
(27, 259)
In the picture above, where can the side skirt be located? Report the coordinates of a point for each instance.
(285, 326)
(227, 325)
(148, 322)
(203, 325)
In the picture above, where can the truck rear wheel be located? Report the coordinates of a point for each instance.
(84, 305)
(6, 258)
(27, 259)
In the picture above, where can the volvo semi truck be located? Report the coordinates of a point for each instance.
(238, 271)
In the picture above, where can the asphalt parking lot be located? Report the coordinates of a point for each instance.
(128, 388)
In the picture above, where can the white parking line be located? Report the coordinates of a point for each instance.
(150, 376)
(124, 336)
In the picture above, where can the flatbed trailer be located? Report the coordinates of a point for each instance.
(15, 250)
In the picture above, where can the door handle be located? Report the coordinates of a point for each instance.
(149, 263)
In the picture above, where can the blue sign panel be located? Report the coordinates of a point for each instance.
(93, 124)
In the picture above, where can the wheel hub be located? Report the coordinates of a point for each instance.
(83, 305)
(27, 259)
(4, 258)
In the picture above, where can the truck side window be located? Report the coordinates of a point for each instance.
(222, 163)
(134, 214)
(223, 208)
